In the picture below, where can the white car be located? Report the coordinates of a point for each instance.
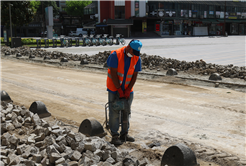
(80, 32)
(72, 33)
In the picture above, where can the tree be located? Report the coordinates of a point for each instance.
(76, 8)
(43, 4)
(22, 13)
(35, 5)
(41, 9)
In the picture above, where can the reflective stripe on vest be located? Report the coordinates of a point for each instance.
(119, 74)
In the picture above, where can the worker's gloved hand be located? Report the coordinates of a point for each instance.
(121, 93)
(127, 93)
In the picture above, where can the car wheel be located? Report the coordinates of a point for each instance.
(80, 35)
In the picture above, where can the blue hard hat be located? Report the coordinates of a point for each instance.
(136, 45)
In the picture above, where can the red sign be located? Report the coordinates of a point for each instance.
(157, 27)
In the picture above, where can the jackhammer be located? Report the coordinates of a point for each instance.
(121, 105)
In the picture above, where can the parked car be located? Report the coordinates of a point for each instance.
(80, 32)
(72, 33)
(44, 34)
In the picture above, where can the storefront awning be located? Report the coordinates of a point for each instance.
(120, 22)
(209, 21)
(101, 25)
(90, 25)
(231, 21)
(231, 3)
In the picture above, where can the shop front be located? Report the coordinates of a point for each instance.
(242, 29)
(167, 28)
(120, 29)
(120, 26)
(200, 28)
(177, 27)
(187, 27)
(219, 28)
(234, 29)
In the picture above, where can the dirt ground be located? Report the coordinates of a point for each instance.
(208, 117)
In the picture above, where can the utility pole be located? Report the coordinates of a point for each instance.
(10, 24)
(43, 17)
(224, 19)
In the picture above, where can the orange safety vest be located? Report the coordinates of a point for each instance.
(120, 70)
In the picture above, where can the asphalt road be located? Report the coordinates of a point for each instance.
(218, 50)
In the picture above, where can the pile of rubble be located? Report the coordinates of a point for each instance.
(28, 140)
(151, 62)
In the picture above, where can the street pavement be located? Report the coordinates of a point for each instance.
(218, 50)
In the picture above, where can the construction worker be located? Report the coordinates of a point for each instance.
(124, 65)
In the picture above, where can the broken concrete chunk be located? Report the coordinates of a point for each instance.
(17, 111)
(17, 124)
(36, 120)
(10, 126)
(73, 163)
(36, 158)
(90, 146)
(76, 155)
(60, 161)
(20, 132)
(41, 137)
(53, 157)
(13, 140)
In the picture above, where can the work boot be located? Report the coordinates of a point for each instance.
(116, 141)
(126, 137)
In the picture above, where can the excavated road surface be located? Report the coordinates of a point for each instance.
(210, 116)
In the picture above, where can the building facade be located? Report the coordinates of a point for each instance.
(178, 18)
(136, 18)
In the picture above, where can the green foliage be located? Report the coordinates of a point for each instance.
(35, 5)
(22, 13)
(33, 42)
(43, 4)
(76, 8)
(28, 41)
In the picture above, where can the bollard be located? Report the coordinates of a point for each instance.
(38, 43)
(46, 58)
(46, 41)
(64, 59)
(179, 155)
(18, 55)
(91, 127)
(77, 41)
(215, 77)
(54, 42)
(171, 72)
(5, 96)
(39, 108)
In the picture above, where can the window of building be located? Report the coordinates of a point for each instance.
(211, 12)
(228, 9)
(172, 6)
(66, 21)
(217, 8)
(211, 8)
(119, 12)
